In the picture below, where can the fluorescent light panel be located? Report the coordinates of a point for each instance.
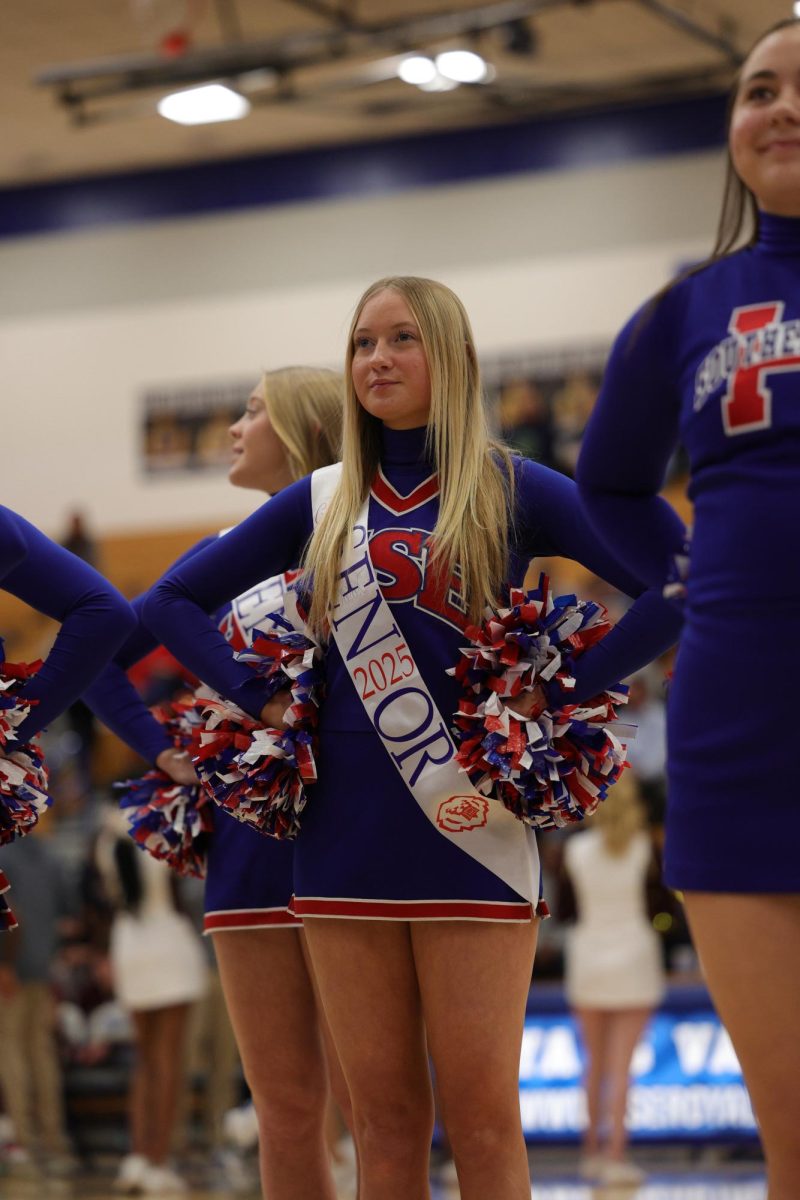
(204, 105)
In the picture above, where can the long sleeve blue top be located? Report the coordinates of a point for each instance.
(94, 617)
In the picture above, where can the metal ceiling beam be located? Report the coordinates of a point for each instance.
(125, 73)
(340, 15)
(679, 20)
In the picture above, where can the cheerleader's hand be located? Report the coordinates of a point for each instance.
(274, 710)
(178, 765)
(528, 704)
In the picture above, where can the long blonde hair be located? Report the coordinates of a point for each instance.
(304, 405)
(475, 473)
(621, 815)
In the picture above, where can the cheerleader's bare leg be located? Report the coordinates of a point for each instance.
(474, 979)
(336, 1079)
(273, 1011)
(157, 1078)
(594, 1034)
(368, 982)
(610, 1037)
(749, 946)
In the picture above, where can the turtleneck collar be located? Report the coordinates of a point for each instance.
(778, 235)
(404, 447)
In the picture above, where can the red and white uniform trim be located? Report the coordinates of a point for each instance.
(418, 910)
(229, 920)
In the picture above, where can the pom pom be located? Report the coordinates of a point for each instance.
(7, 919)
(169, 820)
(260, 775)
(554, 767)
(23, 775)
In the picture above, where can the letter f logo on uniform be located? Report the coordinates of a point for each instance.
(747, 404)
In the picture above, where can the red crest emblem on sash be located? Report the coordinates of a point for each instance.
(459, 813)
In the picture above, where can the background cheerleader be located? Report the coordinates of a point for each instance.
(614, 976)
(291, 425)
(714, 360)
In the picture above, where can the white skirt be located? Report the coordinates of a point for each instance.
(614, 968)
(157, 960)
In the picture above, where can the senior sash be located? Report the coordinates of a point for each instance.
(405, 718)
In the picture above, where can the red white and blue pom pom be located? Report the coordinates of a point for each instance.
(169, 820)
(23, 775)
(7, 919)
(258, 774)
(555, 768)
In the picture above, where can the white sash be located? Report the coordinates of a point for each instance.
(405, 718)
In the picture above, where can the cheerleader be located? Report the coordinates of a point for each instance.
(419, 896)
(715, 359)
(291, 425)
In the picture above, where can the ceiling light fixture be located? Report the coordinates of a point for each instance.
(417, 70)
(463, 66)
(204, 105)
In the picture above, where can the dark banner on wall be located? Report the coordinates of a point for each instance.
(540, 401)
(184, 428)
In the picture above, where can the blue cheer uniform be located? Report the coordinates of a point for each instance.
(365, 849)
(715, 362)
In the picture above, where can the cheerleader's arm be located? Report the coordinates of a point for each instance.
(176, 608)
(557, 525)
(12, 543)
(94, 617)
(629, 441)
(115, 701)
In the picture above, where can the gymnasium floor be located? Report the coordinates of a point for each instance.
(671, 1176)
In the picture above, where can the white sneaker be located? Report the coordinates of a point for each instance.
(590, 1166)
(131, 1174)
(162, 1181)
(621, 1173)
(447, 1175)
(235, 1172)
(18, 1163)
(240, 1126)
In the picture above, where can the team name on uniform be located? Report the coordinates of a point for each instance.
(760, 344)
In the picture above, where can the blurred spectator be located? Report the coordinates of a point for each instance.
(571, 407)
(159, 971)
(524, 418)
(78, 540)
(212, 1054)
(647, 753)
(30, 1071)
(614, 974)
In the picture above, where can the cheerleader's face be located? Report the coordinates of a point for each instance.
(390, 370)
(259, 456)
(764, 134)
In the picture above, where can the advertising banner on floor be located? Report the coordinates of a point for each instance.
(686, 1081)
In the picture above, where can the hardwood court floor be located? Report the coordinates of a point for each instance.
(553, 1180)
